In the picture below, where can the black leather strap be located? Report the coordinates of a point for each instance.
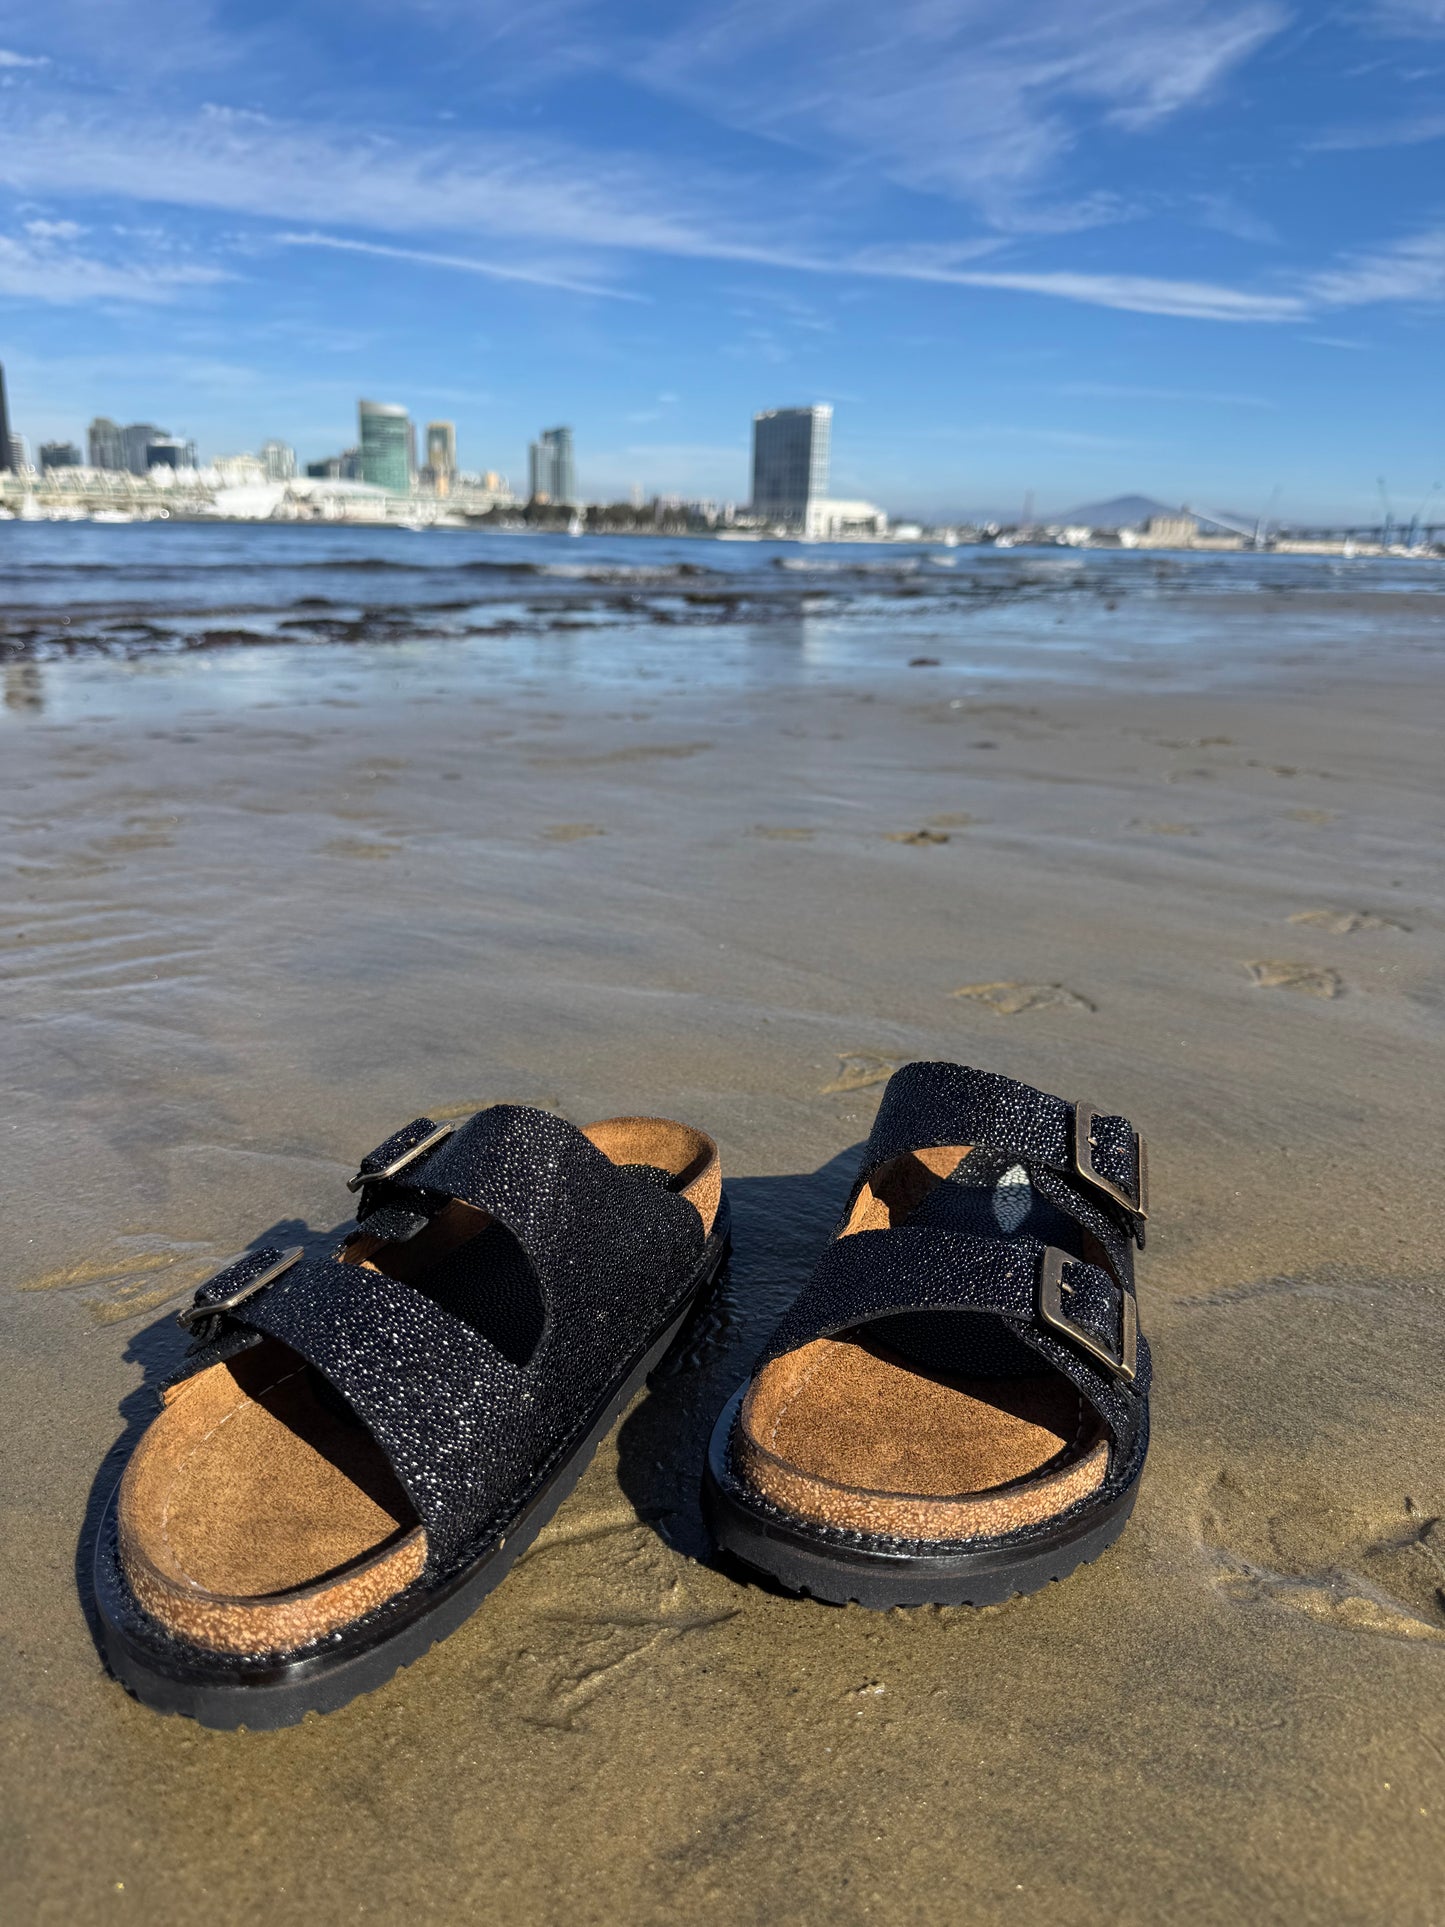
(930, 1104)
(871, 1275)
(538, 1175)
(465, 1427)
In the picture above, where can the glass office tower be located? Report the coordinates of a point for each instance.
(791, 453)
(385, 446)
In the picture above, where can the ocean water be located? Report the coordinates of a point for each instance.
(272, 608)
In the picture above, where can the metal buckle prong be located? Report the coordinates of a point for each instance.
(1084, 1115)
(197, 1314)
(399, 1164)
(1123, 1363)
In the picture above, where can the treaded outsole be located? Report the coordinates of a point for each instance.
(320, 1683)
(830, 1570)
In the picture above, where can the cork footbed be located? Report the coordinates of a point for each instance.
(847, 1433)
(257, 1513)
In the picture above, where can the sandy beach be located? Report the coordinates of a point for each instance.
(264, 905)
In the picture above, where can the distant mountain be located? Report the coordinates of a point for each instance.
(1122, 512)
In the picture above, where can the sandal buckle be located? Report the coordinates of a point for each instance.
(200, 1312)
(401, 1161)
(1123, 1362)
(1088, 1170)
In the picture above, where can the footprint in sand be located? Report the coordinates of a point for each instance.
(127, 841)
(783, 832)
(859, 1069)
(571, 832)
(952, 820)
(1164, 829)
(1344, 923)
(1307, 1552)
(917, 836)
(1009, 998)
(640, 753)
(357, 846)
(1315, 818)
(1277, 973)
(139, 1275)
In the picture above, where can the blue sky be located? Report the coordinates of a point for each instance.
(1195, 247)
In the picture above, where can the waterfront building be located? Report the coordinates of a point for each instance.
(831, 520)
(386, 446)
(1168, 532)
(551, 474)
(345, 467)
(279, 461)
(239, 471)
(107, 444)
(60, 455)
(441, 454)
(135, 444)
(5, 461)
(19, 453)
(792, 450)
(169, 451)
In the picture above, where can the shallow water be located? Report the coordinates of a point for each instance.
(1180, 857)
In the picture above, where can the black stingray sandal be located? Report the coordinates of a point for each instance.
(358, 1447)
(955, 1408)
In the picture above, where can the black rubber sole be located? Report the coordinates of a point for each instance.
(803, 1561)
(264, 1694)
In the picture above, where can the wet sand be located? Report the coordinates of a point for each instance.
(254, 919)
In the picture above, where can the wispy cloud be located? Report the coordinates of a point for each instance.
(1403, 132)
(1411, 16)
(8, 59)
(965, 99)
(243, 163)
(465, 264)
(1133, 293)
(1226, 216)
(531, 199)
(1412, 270)
(37, 268)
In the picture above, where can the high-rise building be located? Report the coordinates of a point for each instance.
(107, 443)
(551, 474)
(791, 454)
(386, 438)
(345, 467)
(441, 456)
(441, 448)
(135, 444)
(279, 461)
(60, 455)
(5, 461)
(169, 451)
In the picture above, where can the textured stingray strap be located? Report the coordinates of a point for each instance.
(564, 1201)
(437, 1397)
(870, 1275)
(1080, 1170)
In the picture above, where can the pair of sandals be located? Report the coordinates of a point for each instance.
(357, 1447)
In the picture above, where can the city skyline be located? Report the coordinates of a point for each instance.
(1170, 245)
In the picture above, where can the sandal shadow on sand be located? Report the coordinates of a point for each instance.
(359, 1446)
(955, 1408)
